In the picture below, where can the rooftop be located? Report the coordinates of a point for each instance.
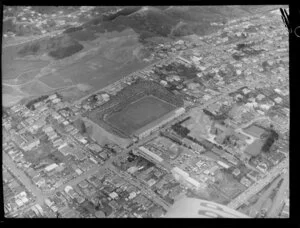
(254, 148)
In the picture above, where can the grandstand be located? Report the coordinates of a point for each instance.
(155, 125)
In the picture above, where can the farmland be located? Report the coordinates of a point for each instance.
(139, 113)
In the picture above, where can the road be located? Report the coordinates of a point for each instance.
(256, 187)
(33, 39)
(23, 178)
(279, 198)
(254, 209)
(146, 191)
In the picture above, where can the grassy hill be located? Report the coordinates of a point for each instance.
(57, 47)
(148, 22)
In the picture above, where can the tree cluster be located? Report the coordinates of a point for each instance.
(30, 104)
(272, 137)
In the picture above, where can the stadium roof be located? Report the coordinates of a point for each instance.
(197, 208)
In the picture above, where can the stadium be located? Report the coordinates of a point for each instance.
(197, 208)
(137, 109)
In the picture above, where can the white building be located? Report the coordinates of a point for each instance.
(223, 164)
(179, 174)
(151, 154)
(51, 167)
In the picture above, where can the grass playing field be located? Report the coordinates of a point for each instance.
(139, 113)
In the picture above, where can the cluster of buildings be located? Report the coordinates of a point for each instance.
(43, 22)
(231, 104)
(43, 142)
(152, 173)
(15, 195)
(118, 198)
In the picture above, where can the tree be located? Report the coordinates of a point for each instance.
(58, 215)
(83, 128)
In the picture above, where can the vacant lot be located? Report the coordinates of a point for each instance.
(139, 113)
(23, 78)
(35, 88)
(13, 67)
(73, 93)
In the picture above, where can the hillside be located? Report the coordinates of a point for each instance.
(147, 22)
(57, 47)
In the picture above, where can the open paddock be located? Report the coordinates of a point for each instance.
(96, 71)
(74, 93)
(6, 89)
(114, 58)
(10, 100)
(28, 75)
(15, 68)
(35, 88)
(11, 95)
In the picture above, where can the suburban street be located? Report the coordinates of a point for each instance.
(280, 196)
(144, 189)
(256, 208)
(23, 178)
(256, 187)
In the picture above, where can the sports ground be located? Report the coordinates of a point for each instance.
(138, 114)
